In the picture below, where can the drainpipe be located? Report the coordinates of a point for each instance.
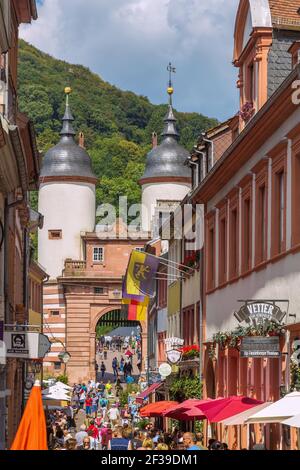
(204, 163)
(211, 143)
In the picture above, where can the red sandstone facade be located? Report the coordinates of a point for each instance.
(87, 290)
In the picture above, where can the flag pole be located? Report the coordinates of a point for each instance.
(166, 262)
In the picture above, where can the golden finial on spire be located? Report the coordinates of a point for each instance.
(170, 88)
(68, 90)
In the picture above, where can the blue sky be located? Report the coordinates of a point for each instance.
(130, 42)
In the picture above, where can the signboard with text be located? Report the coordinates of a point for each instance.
(259, 347)
(26, 345)
(258, 312)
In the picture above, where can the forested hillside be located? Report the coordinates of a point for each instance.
(117, 124)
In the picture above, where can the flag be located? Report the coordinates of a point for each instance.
(128, 297)
(140, 275)
(136, 311)
(32, 433)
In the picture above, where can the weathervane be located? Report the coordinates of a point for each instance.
(171, 70)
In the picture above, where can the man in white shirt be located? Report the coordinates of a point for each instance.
(114, 415)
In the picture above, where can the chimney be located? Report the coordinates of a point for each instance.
(81, 140)
(154, 140)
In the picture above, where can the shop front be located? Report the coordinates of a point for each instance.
(253, 360)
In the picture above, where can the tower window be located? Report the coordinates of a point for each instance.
(57, 365)
(98, 256)
(55, 234)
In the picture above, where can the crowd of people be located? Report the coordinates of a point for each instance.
(96, 420)
(99, 422)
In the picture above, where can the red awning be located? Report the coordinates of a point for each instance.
(155, 410)
(148, 391)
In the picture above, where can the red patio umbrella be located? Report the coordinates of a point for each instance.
(155, 410)
(217, 410)
(187, 410)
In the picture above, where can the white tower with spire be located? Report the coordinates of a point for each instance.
(66, 199)
(167, 178)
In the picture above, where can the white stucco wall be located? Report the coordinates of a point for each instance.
(151, 193)
(69, 207)
(280, 280)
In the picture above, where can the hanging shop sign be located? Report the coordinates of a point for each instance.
(165, 370)
(260, 311)
(174, 356)
(173, 342)
(26, 345)
(259, 346)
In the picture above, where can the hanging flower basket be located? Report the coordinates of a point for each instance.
(247, 111)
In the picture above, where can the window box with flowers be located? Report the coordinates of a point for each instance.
(232, 339)
(190, 352)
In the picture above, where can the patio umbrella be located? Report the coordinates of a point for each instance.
(220, 409)
(293, 422)
(280, 411)
(188, 410)
(155, 410)
(32, 434)
(239, 419)
(62, 385)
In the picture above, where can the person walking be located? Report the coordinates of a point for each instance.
(119, 441)
(80, 435)
(129, 368)
(103, 369)
(115, 367)
(88, 405)
(114, 415)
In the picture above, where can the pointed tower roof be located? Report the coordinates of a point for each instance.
(67, 160)
(166, 162)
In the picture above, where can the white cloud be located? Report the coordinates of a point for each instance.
(130, 42)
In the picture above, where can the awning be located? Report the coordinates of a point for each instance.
(155, 410)
(148, 391)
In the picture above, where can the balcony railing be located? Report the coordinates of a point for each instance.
(73, 267)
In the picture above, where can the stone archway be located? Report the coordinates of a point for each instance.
(96, 318)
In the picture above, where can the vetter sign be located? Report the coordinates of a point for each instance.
(259, 312)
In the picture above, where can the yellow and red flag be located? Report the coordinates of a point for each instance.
(137, 311)
(32, 432)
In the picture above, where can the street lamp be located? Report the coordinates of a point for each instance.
(64, 357)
